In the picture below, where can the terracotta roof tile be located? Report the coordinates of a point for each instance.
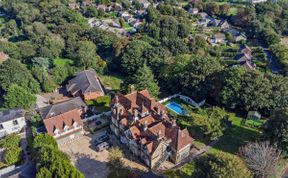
(67, 118)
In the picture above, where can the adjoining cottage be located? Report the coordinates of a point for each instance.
(63, 120)
(245, 57)
(86, 85)
(143, 126)
(12, 121)
(218, 38)
(254, 115)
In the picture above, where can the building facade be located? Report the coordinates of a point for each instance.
(85, 85)
(142, 124)
(12, 121)
(63, 120)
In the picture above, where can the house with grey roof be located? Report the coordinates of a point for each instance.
(12, 121)
(86, 85)
(63, 121)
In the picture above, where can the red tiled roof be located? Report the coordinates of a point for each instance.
(137, 100)
(67, 118)
(148, 120)
(135, 131)
(151, 146)
(180, 138)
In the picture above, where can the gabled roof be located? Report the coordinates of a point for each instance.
(243, 57)
(85, 81)
(180, 138)
(60, 108)
(59, 122)
(11, 114)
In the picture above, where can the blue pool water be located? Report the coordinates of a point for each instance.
(176, 108)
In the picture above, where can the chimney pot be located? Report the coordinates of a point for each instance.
(132, 88)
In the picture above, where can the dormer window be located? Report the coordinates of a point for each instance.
(75, 124)
(65, 127)
(56, 131)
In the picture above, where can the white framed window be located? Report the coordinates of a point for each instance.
(15, 122)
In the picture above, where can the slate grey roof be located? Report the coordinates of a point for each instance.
(11, 114)
(85, 81)
(59, 108)
(243, 57)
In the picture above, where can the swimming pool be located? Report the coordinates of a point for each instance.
(176, 108)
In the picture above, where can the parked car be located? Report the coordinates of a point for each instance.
(103, 146)
(102, 138)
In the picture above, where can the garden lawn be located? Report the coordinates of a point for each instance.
(101, 103)
(234, 137)
(184, 172)
(62, 62)
(112, 80)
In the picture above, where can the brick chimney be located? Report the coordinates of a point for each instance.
(145, 126)
(135, 117)
(132, 89)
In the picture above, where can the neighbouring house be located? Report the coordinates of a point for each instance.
(3, 56)
(218, 38)
(145, 3)
(214, 22)
(236, 34)
(74, 6)
(224, 24)
(63, 120)
(193, 11)
(86, 85)
(246, 49)
(12, 121)
(140, 13)
(136, 23)
(243, 57)
(203, 22)
(254, 115)
(248, 65)
(143, 126)
(257, 1)
(87, 3)
(203, 14)
(239, 37)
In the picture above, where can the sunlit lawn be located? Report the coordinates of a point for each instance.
(101, 103)
(234, 137)
(112, 80)
(62, 61)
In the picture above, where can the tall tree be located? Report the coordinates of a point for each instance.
(261, 158)
(13, 72)
(132, 58)
(17, 96)
(115, 161)
(144, 79)
(276, 129)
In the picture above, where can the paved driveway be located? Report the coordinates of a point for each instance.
(91, 163)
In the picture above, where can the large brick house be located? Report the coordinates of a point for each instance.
(63, 120)
(86, 85)
(143, 125)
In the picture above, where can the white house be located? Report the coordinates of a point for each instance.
(11, 121)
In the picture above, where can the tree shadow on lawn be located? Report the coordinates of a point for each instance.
(232, 139)
(235, 137)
